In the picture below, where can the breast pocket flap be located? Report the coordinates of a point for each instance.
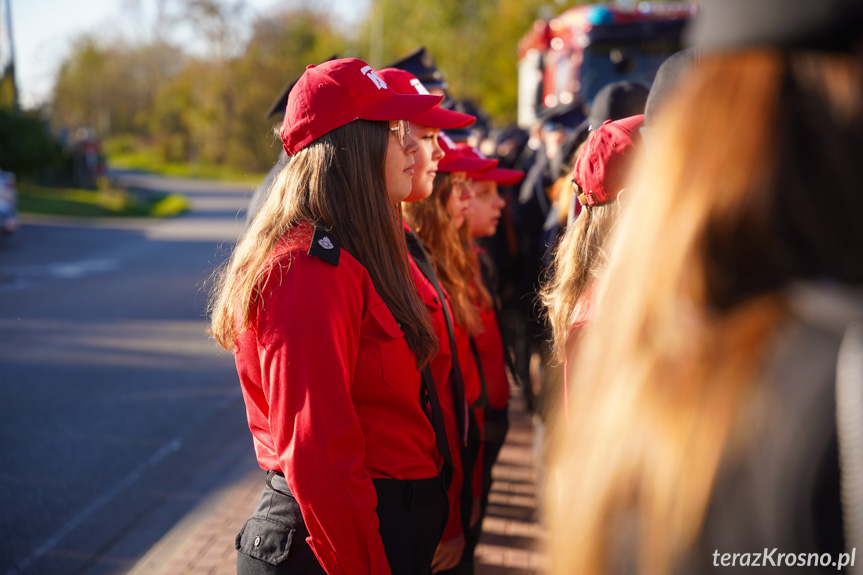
(269, 541)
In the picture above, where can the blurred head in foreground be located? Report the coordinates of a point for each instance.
(751, 184)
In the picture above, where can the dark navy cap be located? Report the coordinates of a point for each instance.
(278, 107)
(667, 78)
(616, 101)
(570, 115)
(421, 64)
(829, 25)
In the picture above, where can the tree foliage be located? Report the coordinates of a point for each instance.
(474, 44)
(207, 105)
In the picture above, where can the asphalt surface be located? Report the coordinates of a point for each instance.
(118, 414)
(124, 447)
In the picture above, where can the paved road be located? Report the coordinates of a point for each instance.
(117, 414)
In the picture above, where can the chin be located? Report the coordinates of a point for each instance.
(399, 198)
(419, 194)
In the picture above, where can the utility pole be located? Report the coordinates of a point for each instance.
(377, 34)
(7, 57)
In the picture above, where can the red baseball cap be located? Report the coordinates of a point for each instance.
(603, 164)
(502, 176)
(455, 161)
(337, 92)
(404, 82)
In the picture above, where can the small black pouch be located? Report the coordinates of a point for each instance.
(268, 534)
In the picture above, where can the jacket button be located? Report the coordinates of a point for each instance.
(257, 540)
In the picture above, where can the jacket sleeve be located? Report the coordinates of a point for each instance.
(309, 331)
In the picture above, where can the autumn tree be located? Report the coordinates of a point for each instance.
(205, 101)
(474, 43)
(280, 48)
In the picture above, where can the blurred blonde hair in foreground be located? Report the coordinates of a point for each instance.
(667, 370)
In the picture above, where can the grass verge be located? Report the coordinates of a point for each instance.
(147, 161)
(112, 202)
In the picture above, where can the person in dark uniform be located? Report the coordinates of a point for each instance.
(445, 365)
(332, 341)
(421, 66)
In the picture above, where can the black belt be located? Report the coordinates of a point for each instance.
(392, 493)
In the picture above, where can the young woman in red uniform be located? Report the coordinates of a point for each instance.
(436, 221)
(330, 335)
(445, 365)
(483, 214)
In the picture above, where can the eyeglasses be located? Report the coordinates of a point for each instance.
(462, 185)
(402, 130)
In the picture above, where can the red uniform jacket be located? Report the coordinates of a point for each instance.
(491, 352)
(441, 366)
(489, 344)
(332, 398)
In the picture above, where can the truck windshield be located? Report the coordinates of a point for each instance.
(631, 52)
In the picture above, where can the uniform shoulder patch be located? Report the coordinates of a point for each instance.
(325, 246)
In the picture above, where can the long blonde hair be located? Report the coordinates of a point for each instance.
(691, 296)
(579, 260)
(337, 182)
(451, 254)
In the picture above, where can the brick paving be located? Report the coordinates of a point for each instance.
(511, 541)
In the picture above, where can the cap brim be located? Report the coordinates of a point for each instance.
(502, 176)
(403, 107)
(466, 164)
(444, 119)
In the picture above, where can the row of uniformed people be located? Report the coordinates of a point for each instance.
(368, 351)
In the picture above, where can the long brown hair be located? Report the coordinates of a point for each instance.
(454, 261)
(692, 294)
(337, 182)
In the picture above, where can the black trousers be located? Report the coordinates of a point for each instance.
(412, 516)
(496, 427)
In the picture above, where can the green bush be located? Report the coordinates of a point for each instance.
(26, 145)
(95, 203)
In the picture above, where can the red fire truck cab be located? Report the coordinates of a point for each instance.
(571, 56)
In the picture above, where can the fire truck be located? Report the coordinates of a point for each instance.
(568, 58)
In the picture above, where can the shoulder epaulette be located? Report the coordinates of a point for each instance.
(325, 246)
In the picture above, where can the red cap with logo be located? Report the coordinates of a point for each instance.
(338, 92)
(404, 82)
(603, 164)
(455, 161)
(502, 176)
